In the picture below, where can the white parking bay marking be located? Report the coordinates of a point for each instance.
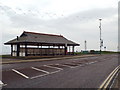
(67, 66)
(92, 62)
(53, 67)
(20, 73)
(39, 76)
(55, 71)
(2, 84)
(47, 73)
(40, 70)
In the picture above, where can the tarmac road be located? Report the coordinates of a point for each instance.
(86, 72)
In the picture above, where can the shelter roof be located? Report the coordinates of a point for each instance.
(41, 38)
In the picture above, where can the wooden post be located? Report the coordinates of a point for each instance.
(37, 50)
(73, 50)
(65, 49)
(18, 49)
(69, 50)
(26, 50)
(53, 50)
(48, 50)
(11, 49)
(59, 50)
(41, 49)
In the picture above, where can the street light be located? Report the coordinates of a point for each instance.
(100, 35)
(85, 45)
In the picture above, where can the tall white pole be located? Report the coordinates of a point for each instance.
(85, 45)
(100, 35)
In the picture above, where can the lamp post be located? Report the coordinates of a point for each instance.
(85, 45)
(100, 35)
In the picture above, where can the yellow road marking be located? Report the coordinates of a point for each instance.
(109, 78)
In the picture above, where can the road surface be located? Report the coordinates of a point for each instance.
(85, 72)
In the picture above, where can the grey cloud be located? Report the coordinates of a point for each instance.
(7, 11)
(83, 18)
(77, 27)
(29, 20)
(77, 24)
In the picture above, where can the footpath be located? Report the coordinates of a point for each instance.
(10, 60)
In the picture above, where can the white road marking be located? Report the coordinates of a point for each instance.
(53, 67)
(44, 74)
(38, 76)
(86, 63)
(57, 64)
(47, 73)
(76, 62)
(93, 57)
(20, 73)
(2, 84)
(55, 71)
(95, 61)
(67, 66)
(92, 62)
(40, 70)
(84, 58)
(82, 65)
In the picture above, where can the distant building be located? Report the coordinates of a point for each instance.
(39, 44)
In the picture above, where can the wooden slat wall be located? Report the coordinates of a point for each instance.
(43, 51)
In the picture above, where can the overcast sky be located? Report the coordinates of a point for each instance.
(77, 20)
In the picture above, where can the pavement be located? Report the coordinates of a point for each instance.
(7, 60)
(78, 72)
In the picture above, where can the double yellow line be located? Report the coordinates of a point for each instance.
(107, 81)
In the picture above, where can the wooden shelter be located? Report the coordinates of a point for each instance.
(39, 44)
